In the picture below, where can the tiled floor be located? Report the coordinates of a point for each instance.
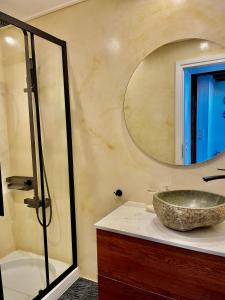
(82, 289)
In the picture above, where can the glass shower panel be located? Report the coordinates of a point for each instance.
(50, 84)
(21, 236)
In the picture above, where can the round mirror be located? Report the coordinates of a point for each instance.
(175, 102)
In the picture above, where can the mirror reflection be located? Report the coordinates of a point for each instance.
(175, 102)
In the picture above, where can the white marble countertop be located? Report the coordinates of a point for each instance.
(132, 219)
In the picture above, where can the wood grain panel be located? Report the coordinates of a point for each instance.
(111, 289)
(162, 269)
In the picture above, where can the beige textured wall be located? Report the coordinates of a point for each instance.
(25, 229)
(150, 99)
(107, 39)
(7, 241)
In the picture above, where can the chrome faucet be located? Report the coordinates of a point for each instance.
(215, 177)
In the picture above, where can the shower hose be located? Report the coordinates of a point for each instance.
(50, 201)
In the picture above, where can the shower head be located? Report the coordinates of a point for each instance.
(3, 23)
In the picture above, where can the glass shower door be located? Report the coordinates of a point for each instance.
(21, 238)
(52, 111)
(38, 229)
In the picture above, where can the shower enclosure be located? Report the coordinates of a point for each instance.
(37, 205)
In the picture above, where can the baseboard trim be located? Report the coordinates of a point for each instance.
(60, 289)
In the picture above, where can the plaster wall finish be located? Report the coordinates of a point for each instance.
(107, 39)
(25, 228)
(7, 241)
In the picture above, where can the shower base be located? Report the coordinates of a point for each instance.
(23, 274)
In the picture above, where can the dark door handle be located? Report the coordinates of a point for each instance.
(1, 195)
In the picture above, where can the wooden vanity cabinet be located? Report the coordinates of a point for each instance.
(130, 268)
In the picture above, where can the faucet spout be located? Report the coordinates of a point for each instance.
(215, 177)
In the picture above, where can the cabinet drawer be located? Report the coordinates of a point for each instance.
(110, 289)
(162, 269)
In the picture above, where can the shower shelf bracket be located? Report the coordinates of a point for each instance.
(21, 183)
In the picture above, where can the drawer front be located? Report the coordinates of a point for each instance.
(162, 269)
(110, 289)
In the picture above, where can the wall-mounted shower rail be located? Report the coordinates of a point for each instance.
(31, 116)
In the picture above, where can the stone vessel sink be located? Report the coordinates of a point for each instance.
(185, 210)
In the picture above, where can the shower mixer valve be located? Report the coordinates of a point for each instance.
(36, 203)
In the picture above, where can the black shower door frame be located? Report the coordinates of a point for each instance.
(33, 31)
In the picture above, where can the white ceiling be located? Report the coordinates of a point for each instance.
(28, 9)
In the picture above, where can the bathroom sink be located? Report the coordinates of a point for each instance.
(185, 210)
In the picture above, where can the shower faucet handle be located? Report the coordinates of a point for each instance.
(32, 202)
(36, 203)
(221, 169)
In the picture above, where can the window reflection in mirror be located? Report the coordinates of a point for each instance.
(175, 102)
